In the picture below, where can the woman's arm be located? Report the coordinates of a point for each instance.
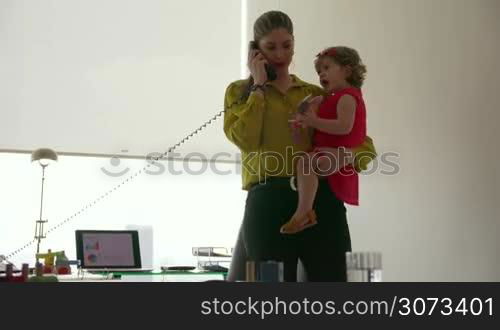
(243, 119)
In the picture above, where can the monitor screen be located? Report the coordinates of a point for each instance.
(108, 248)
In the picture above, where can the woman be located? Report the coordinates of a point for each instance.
(256, 120)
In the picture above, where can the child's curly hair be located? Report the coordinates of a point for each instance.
(346, 56)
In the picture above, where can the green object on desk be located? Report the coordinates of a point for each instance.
(43, 279)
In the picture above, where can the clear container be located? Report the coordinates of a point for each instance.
(364, 266)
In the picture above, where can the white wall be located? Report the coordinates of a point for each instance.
(432, 97)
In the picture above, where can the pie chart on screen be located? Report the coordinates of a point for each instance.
(92, 258)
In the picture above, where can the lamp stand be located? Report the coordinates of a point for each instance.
(39, 230)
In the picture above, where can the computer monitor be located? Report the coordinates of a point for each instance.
(108, 249)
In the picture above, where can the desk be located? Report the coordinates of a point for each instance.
(163, 276)
(170, 276)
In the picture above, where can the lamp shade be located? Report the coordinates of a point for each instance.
(44, 156)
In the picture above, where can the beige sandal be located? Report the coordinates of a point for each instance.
(296, 225)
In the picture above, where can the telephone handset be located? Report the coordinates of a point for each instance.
(270, 70)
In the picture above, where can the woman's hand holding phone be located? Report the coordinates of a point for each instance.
(256, 64)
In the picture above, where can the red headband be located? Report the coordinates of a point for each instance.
(327, 52)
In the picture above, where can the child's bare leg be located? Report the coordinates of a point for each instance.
(307, 185)
(331, 160)
(309, 168)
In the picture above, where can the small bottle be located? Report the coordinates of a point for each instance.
(25, 272)
(39, 269)
(250, 271)
(9, 271)
(271, 271)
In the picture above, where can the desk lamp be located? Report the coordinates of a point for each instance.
(44, 156)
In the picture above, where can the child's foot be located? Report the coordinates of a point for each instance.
(299, 223)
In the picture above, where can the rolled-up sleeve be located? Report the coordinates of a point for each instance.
(243, 120)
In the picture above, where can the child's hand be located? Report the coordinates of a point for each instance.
(315, 102)
(310, 117)
(295, 124)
